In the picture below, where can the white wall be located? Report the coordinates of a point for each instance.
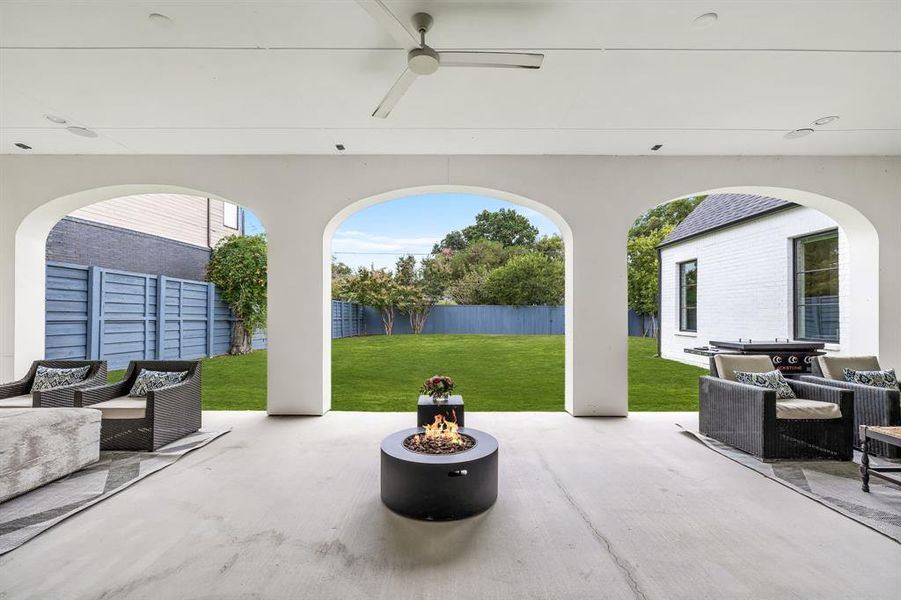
(299, 196)
(173, 216)
(745, 283)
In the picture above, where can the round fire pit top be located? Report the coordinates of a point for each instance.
(393, 445)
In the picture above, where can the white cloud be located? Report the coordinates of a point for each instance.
(358, 248)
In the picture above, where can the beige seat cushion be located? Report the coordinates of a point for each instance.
(807, 409)
(122, 408)
(833, 366)
(25, 401)
(728, 364)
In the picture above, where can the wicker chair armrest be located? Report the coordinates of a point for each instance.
(174, 398)
(740, 396)
(876, 400)
(93, 395)
(64, 395)
(822, 393)
(15, 388)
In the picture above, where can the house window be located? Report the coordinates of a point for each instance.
(816, 287)
(688, 296)
(230, 215)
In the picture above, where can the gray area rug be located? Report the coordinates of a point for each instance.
(32, 513)
(835, 484)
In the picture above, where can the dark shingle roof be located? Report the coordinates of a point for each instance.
(720, 210)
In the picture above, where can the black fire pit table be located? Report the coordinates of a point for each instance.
(439, 487)
(791, 358)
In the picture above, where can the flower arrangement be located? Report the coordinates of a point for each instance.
(438, 387)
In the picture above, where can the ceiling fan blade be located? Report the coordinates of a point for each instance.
(397, 90)
(504, 60)
(378, 11)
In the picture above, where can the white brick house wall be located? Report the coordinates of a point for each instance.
(744, 282)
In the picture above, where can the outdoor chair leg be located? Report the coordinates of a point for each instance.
(864, 466)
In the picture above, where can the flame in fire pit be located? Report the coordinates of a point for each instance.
(444, 430)
(441, 437)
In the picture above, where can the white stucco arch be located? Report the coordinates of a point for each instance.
(863, 256)
(297, 197)
(355, 207)
(30, 250)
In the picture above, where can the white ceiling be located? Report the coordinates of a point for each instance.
(278, 77)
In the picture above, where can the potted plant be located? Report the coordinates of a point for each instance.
(439, 387)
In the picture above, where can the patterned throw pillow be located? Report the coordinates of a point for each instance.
(47, 378)
(882, 379)
(155, 380)
(772, 380)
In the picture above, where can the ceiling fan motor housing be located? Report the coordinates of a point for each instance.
(423, 61)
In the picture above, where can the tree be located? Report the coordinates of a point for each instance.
(528, 279)
(411, 299)
(665, 215)
(469, 288)
(341, 273)
(339, 269)
(479, 255)
(505, 226)
(452, 242)
(237, 267)
(648, 231)
(378, 289)
(642, 270)
(551, 246)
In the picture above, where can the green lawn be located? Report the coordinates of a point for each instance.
(230, 382)
(493, 372)
(659, 384)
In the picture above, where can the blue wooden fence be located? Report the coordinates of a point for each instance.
(352, 319)
(119, 316)
(640, 325)
(347, 319)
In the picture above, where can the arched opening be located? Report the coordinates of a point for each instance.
(760, 264)
(338, 219)
(123, 276)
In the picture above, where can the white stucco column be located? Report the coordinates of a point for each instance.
(297, 381)
(7, 300)
(600, 329)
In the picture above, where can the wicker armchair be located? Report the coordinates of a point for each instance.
(872, 405)
(163, 416)
(750, 418)
(18, 394)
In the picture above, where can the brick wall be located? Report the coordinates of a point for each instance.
(80, 242)
(744, 282)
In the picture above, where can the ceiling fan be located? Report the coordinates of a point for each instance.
(424, 60)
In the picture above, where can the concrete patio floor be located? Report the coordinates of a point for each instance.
(588, 508)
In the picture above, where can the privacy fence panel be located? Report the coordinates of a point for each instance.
(347, 319)
(119, 316)
(476, 319)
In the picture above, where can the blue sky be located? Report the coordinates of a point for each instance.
(252, 224)
(378, 235)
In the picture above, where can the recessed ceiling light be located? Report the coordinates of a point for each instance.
(55, 119)
(706, 20)
(826, 120)
(798, 133)
(160, 20)
(23, 146)
(82, 131)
